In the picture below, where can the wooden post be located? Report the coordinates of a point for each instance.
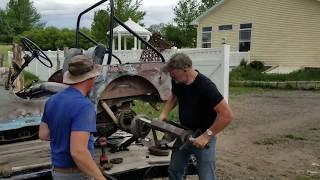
(19, 82)
(1, 59)
(65, 51)
(58, 60)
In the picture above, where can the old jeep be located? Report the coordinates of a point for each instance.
(114, 93)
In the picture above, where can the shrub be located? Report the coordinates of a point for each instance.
(243, 63)
(257, 65)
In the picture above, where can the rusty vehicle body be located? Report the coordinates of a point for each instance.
(114, 92)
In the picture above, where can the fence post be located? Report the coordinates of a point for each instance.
(65, 51)
(19, 82)
(226, 69)
(58, 60)
(1, 59)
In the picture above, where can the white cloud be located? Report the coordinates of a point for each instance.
(3, 4)
(63, 13)
(158, 14)
(159, 2)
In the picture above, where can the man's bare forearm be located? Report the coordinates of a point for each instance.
(86, 164)
(219, 124)
(169, 105)
(44, 132)
(223, 119)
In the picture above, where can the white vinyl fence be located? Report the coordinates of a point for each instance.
(236, 57)
(212, 62)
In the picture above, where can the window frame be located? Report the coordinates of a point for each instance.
(228, 25)
(206, 31)
(245, 41)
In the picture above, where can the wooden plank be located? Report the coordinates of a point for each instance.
(136, 158)
(25, 153)
(31, 154)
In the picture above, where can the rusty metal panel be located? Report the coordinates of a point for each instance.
(16, 112)
(136, 79)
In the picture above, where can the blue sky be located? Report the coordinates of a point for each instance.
(63, 13)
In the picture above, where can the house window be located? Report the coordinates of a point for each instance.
(206, 37)
(245, 37)
(225, 27)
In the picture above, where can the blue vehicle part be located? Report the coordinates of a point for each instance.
(20, 122)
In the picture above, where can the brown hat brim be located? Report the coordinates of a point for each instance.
(70, 79)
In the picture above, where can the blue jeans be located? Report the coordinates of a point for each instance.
(206, 162)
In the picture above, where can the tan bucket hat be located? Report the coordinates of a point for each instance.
(81, 68)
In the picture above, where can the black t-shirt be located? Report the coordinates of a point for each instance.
(196, 102)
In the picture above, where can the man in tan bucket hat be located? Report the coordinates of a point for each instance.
(68, 122)
(81, 68)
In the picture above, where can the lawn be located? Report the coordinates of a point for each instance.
(4, 50)
(247, 73)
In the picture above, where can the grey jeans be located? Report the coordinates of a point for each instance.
(69, 176)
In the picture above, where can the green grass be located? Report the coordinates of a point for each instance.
(294, 137)
(4, 50)
(247, 73)
(145, 108)
(29, 77)
(316, 177)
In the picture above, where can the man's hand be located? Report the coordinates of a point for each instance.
(201, 141)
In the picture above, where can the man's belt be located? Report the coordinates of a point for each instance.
(67, 170)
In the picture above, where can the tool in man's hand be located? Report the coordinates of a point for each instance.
(185, 135)
(104, 161)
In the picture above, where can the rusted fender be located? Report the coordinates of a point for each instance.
(134, 79)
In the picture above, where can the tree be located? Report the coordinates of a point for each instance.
(52, 38)
(185, 12)
(99, 27)
(124, 9)
(173, 33)
(22, 16)
(5, 30)
(206, 4)
(156, 28)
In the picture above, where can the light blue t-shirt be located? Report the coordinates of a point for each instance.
(65, 112)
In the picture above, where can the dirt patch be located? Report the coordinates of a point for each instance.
(275, 135)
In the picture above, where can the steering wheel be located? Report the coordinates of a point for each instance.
(36, 52)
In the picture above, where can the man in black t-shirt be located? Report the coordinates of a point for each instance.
(201, 106)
